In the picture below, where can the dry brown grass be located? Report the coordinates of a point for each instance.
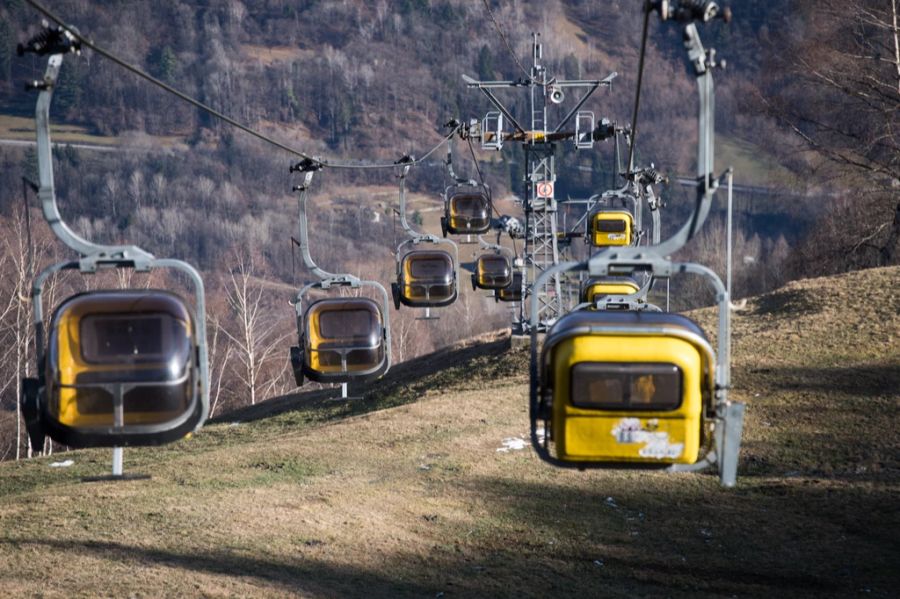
(314, 498)
(269, 55)
(22, 128)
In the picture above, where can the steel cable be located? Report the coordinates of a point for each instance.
(505, 40)
(215, 113)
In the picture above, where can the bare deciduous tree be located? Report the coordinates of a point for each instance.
(836, 78)
(254, 336)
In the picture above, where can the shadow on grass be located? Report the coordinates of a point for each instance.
(793, 302)
(873, 380)
(300, 575)
(835, 423)
(617, 536)
(445, 369)
(688, 537)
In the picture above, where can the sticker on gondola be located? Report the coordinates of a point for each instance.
(544, 189)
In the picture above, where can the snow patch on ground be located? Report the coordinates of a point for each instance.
(512, 444)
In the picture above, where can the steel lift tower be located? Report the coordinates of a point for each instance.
(540, 140)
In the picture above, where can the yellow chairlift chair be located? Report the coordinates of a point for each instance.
(122, 360)
(467, 209)
(512, 292)
(640, 388)
(627, 387)
(114, 367)
(426, 278)
(341, 339)
(611, 228)
(492, 271)
(598, 288)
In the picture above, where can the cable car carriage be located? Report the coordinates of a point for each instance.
(114, 367)
(597, 288)
(611, 228)
(512, 292)
(492, 271)
(341, 339)
(639, 388)
(426, 277)
(467, 209)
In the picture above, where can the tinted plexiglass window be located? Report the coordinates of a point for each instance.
(609, 386)
(610, 226)
(431, 268)
(495, 266)
(474, 206)
(133, 338)
(353, 327)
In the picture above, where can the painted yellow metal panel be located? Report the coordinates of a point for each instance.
(315, 343)
(612, 287)
(600, 238)
(627, 435)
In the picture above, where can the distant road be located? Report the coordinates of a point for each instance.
(753, 189)
(60, 144)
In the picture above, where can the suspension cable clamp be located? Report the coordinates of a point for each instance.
(51, 40)
(404, 163)
(37, 86)
(307, 165)
(688, 11)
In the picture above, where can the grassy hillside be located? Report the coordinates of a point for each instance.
(410, 493)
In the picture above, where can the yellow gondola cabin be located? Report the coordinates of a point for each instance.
(343, 339)
(612, 228)
(427, 279)
(122, 363)
(626, 387)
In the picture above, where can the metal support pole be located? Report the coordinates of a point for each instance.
(117, 461)
(728, 248)
(118, 422)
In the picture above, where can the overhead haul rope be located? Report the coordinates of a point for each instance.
(505, 40)
(637, 96)
(215, 113)
(481, 177)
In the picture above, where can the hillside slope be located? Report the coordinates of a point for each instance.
(420, 491)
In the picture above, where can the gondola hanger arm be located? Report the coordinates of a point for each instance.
(55, 43)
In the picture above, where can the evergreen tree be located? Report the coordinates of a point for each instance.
(68, 91)
(30, 164)
(484, 64)
(6, 50)
(167, 65)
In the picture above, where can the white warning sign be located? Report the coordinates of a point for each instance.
(544, 189)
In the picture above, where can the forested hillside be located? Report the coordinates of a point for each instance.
(375, 80)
